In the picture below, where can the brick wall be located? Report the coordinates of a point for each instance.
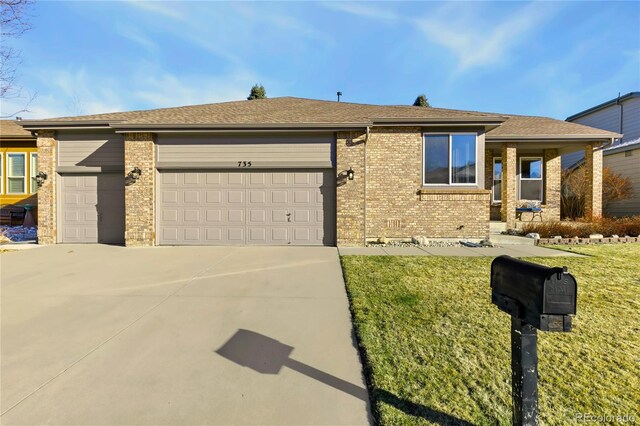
(509, 161)
(350, 193)
(593, 175)
(139, 152)
(396, 204)
(552, 185)
(47, 229)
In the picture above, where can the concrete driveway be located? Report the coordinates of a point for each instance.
(98, 334)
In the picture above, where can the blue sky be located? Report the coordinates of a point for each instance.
(539, 58)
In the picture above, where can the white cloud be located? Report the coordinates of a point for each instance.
(479, 39)
(78, 92)
(134, 35)
(363, 10)
(169, 9)
(167, 90)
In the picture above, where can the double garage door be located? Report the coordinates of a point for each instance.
(258, 207)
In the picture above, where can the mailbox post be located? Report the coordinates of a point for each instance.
(537, 298)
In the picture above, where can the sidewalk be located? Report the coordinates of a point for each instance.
(511, 250)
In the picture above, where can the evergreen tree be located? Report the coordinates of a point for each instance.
(421, 101)
(257, 92)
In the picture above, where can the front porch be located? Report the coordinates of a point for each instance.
(525, 180)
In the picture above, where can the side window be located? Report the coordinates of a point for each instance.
(531, 178)
(449, 159)
(497, 180)
(33, 171)
(16, 169)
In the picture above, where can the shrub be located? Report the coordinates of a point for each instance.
(606, 226)
(615, 187)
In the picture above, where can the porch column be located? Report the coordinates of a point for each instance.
(508, 211)
(593, 176)
(47, 229)
(552, 185)
(139, 195)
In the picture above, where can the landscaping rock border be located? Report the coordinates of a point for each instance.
(584, 241)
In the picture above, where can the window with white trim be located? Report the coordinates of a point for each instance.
(16, 173)
(33, 170)
(449, 159)
(531, 178)
(497, 180)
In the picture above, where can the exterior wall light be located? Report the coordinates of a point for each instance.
(350, 173)
(40, 178)
(133, 176)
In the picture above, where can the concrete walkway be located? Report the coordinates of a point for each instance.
(511, 250)
(95, 334)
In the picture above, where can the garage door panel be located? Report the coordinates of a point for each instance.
(235, 235)
(235, 196)
(213, 216)
(235, 179)
(191, 234)
(252, 207)
(213, 179)
(213, 197)
(169, 179)
(214, 235)
(235, 216)
(170, 197)
(190, 179)
(191, 197)
(280, 197)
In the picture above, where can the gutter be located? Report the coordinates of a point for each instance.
(603, 105)
(556, 138)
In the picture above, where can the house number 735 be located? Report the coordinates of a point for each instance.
(244, 163)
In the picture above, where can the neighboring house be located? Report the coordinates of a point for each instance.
(18, 168)
(292, 171)
(621, 115)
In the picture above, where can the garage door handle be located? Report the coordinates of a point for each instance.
(288, 217)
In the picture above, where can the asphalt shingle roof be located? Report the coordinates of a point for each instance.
(300, 111)
(12, 128)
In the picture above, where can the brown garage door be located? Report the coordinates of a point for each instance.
(92, 208)
(283, 207)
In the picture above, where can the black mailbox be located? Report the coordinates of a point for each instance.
(541, 296)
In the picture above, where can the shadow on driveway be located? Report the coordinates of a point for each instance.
(266, 355)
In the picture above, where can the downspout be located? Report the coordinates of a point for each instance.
(621, 113)
(604, 145)
(364, 233)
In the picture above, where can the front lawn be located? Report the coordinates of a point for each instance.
(438, 352)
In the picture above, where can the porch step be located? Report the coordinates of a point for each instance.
(500, 239)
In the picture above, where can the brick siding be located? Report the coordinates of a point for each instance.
(593, 174)
(397, 206)
(47, 229)
(139, 152)
(552, 185)
(509, 161)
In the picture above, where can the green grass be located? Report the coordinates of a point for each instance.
(436, 350)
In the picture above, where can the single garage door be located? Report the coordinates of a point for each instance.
(268, 207)
(92, 208)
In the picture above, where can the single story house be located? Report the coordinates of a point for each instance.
(292, 171)
(18, 165)
(622, 115)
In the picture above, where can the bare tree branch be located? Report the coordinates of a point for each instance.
(14, 22)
